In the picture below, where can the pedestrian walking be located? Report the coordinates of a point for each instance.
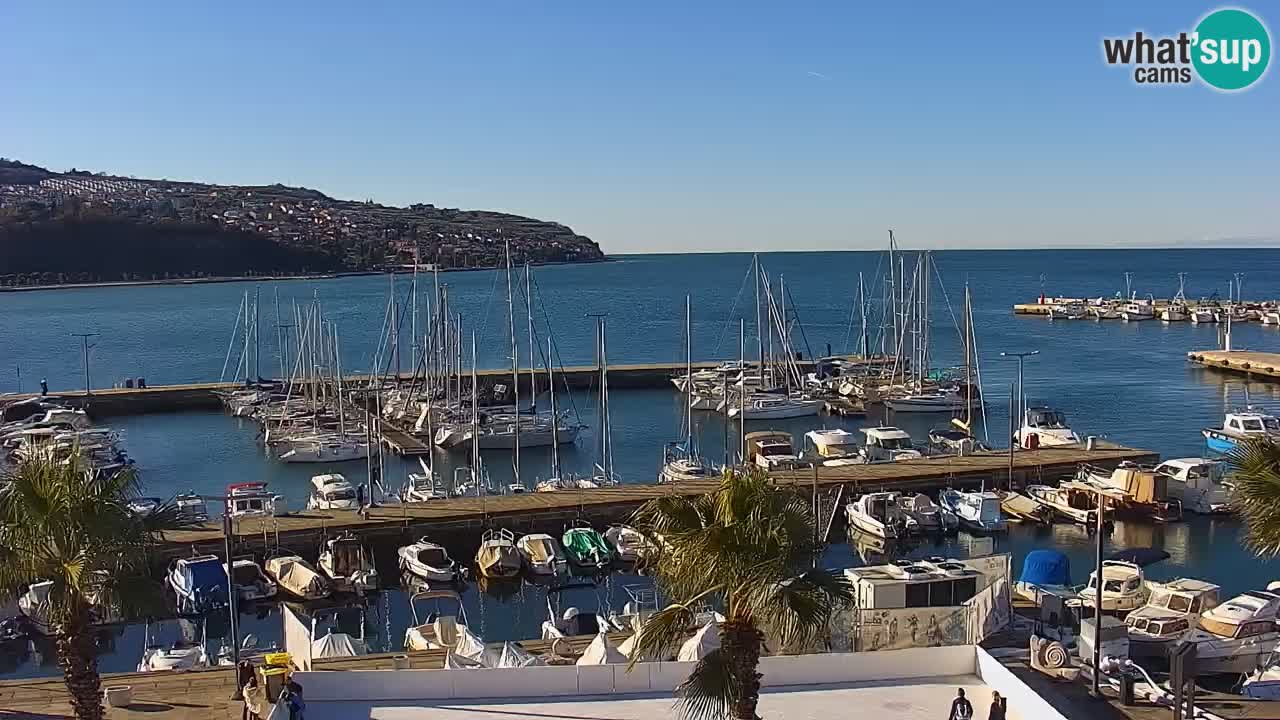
(961, 708)
(999, 706)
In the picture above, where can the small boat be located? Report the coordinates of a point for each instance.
(953, 439)
(191, 507)
(1045, 427)
(1270, 317)
(1171, 612)
(199, 583)
(250, 582)
(1044, 572)
(771, 449)
(1241, 425)
(885, 444)
(334, 449)
(173, 646)
(923, 515)
(1137, 311)
(428, 561)
(348, 567)
(1071, 501)
(1134, 491)
(252, 499)
(542, 554)
(498, 556)
(1174, 313)
(1021, 508)
(927, 402)
(587, 550)
(1201, 315)
(297, 577)
(772, 407)
(438, 629)
(144, 506)
(630, 544)
(573, 621)
(1237, 636)
(877, 514)
(332, 492)
(1104, 312)
(678, 465)
(423, 486)
(1123, 587)
(565, 483)
(1068, 311)
(833, 448)
(977, 511)
(1200, 484)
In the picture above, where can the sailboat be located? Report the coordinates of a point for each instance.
(682, 462)
(921, 398)
(958, 437)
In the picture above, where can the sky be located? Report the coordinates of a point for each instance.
(665, 126)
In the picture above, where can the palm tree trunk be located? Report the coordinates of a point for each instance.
(78, 659)
(740, 641)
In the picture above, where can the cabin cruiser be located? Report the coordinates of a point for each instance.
(888, 444)
(630, 544)
(250, 582)
(200, 584)
(587, 550)
(428, 561)
(252, 499)
(1172, 610)
(1199, 484)
(542, 554)
(772, 407)
(954, 439)
(923, 515)
(1134, 491)
(877, 514)
(332, 492)
(1045, 427)
(977, 511)
(833, 448)
(498, 556)
(191, 507)
(1174, 312)
(771, 449)
(349, 568)
(1138, 310)
(573, 621)
(174, 645)
(440, 628)
(297, 577)
(1243, 425)
(1235, 637)
(1123, 587)
(1072, 501)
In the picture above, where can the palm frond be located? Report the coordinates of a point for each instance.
(662, 632)
(1256, 476)
(797, 611)
(710, 690)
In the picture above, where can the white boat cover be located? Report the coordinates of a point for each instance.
(538, 549)
(454, 661)
(510, 655)
(701, 644)
(469, 645)
(601, 652)
(294, 575)
(628, 647)
(336, 645)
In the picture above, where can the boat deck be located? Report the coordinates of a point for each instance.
(1254, 364)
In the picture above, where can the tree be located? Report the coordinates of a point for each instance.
(1256, 465)
(748, 547)
(61, 523)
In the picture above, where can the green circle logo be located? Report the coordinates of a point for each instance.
(1232, 49)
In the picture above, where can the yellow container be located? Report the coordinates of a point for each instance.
(280, 659)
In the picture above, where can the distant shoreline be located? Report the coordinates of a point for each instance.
(266, 278)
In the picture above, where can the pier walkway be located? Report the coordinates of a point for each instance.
(462, 519)
(1244, 362)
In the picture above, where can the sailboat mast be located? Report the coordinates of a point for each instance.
(865, 349)
(413, 312)
(968, 360)
(742, 389)
(555, 412)
(337, 361)
(395, 326)
(533, 363)
(688, 374)
(759, 329)
(475, 418)
(515, 366)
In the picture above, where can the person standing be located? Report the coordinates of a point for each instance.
(961, 708)
(44, 387)
(999, 706)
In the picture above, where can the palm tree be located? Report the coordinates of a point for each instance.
(74, 528)
(748, 547)
(1256, 466)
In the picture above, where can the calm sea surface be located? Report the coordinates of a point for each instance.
(1129, 382)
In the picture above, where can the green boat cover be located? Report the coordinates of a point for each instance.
(585, 546)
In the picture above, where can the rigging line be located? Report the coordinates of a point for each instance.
(234, 331)
(951, 311)
(557, 358)
(736, 298)
(853, 307)
(795, 312)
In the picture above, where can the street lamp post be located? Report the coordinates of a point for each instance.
(1022, 395)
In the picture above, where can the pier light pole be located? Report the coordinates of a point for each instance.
(1022, 394)
(84, 340)
(1095, 690)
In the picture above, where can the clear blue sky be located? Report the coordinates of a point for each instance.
(664, 126)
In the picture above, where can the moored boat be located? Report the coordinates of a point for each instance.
(428, 561)
(977, 511)
(498, 556)
(878, 514)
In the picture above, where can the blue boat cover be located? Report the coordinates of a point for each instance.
(207, 576)
(1046, 567)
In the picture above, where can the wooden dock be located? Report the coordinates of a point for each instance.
(458, 522)
(1042, 308)
(1253, 364)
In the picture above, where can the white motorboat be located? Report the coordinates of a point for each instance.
(173, 645)
(252, 499)
(429, 561)
(833, 448)
(191, 507)
(1138, 310)
(771, 449)
(927, 402)
(349, 568)
(440, 628)
(542, 554)
(250, 582)
(199, 582)
(1270, 317)
(326, 450)
(679, 469)
(297, 577)
(424, 486)
(1237, 636)
(1123, 587)
(332, 492)
(1202, 315)
(1200, 484)
(886, 444)
(565, 483)
(1171, 612)
(977, 511)
(1071, 501)
(498, 556)
(773, 407)
(877, 514)
(1104, 312)
(923, 515)
(1045, 427)
(1241, 425)
(630, 544)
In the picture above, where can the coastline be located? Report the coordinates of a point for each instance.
(266, 278)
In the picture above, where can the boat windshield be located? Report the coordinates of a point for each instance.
(895, 443)
(775, 449)
(1180, 603)
(1272, 424)
(1168, 627)
(343, 494)
(1047, 419)
(245, 574)
(1252, 425)
(434, 557)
